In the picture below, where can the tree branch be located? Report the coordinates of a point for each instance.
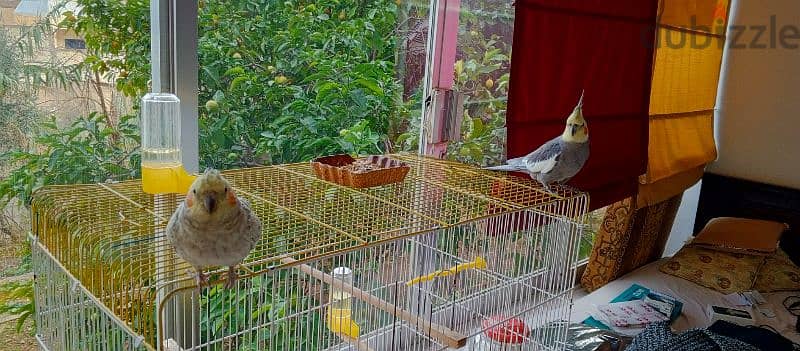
(104, 106)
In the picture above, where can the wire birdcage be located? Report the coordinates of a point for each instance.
(430, 263)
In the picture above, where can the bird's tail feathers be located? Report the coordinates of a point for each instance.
(506, 168)
(517, 162)
(512, 165)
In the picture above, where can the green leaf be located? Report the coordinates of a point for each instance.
(325, 89)
(211, 74)
(477, 128)
(21, 321)
(234, 71)
(370, 85)
(219, 96)
(237, 81)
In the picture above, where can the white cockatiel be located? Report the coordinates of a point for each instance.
(213, 227)
(559, 159)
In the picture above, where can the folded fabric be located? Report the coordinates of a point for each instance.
(741, 235)
(658, 337)
(761, 338)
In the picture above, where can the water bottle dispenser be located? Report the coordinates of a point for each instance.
(162, 170)
(340, 311)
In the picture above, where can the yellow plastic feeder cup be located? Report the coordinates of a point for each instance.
(162, 170)
(339, 316)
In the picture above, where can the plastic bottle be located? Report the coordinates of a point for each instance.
(162, 170)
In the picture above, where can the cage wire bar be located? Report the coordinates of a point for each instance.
(334, 269)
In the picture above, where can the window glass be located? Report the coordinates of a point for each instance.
(289, 81)
(75, 44)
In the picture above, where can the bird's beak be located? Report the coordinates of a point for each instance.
(210, 203)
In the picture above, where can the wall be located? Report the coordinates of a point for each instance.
(64, 103)
(9, 19)
(758, 107)
(759, 110)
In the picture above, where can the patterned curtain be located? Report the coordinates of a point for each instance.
(628, 239)
(690, 40)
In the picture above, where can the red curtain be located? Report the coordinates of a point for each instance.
(600, 46)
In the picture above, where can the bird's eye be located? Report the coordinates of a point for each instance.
(226, 189)
(194, 191)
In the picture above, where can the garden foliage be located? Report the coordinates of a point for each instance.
(279, 82)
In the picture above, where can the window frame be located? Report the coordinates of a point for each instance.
(74, 44)
(175, 65)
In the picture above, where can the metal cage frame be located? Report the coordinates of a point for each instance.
(106, 275)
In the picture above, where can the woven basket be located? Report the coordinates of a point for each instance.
(329, 168)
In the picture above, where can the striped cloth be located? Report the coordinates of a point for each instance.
(659, 337)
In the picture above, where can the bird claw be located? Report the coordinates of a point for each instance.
(199, 277)
(550, 190)
(230, 283)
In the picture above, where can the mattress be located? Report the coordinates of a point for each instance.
(695, 301)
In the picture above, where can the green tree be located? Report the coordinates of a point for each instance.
(481, 73)
(279, 82)
(21, 77)
(84, 152)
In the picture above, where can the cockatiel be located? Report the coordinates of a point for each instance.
(213, 227)
(559, 159)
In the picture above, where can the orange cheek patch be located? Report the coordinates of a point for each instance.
(190, 200)
(231, 197)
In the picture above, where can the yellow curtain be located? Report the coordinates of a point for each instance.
(682, 99)
(691, 37)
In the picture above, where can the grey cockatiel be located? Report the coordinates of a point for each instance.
(213, 227)
(559, 159)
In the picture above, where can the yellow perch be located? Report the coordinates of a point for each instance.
(479, 263)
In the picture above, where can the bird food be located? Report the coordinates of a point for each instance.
(360, 173)
(361, 166)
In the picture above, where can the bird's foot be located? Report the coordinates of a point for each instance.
(199, 277)
(230, 283)
(546, 186)
(549, 189)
